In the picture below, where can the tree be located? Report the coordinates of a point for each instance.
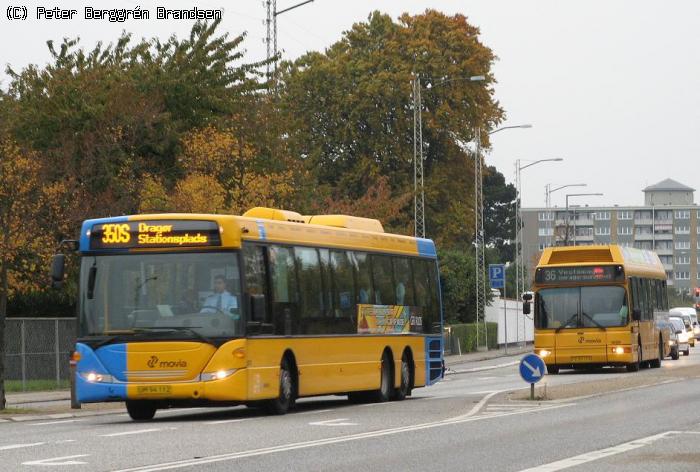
(23, 242)
(350, 118)
(499, 214)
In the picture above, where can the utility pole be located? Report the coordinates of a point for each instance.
(271, 36)
(418, 188)
(480, 259)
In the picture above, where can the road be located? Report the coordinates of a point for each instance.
(464, 423)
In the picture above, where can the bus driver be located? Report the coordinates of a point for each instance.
(221, 300)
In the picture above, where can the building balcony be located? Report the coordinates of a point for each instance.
(644, 237)
(663, 226)
(663, 237)
(643, 221)
(584, 237)
(664, 251)
(582, 222)
(668, 267)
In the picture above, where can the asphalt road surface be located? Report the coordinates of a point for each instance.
(463, 423)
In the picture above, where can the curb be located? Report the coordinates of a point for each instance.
(480, 369)
(58, 416)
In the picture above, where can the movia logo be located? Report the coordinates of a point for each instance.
(154, 362)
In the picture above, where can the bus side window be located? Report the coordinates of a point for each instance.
(343, 292)
(433, 313)
(365, 294)
(650, 299)
(285, 309)
(404, 281)
(310, 289)
(325, 257)
(664, 293)
(383, 278)
(255, 286)
(634, 285)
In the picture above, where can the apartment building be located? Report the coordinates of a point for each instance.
(667, 223)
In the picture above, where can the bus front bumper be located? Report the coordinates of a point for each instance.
(233, 388)
(616, 355)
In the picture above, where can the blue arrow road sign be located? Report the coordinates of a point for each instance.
(497, 275)
(532, 368)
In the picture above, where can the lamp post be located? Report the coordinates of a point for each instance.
(519, 263)
(548, 203)
(418, 188)
(566, 238)
(479, 240)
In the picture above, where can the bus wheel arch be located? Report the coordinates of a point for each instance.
(656, 363)
(406, 376)
(288, 385)
(387, 376)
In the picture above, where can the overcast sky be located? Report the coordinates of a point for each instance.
(613, 87)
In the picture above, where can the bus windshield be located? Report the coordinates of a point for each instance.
(161, 296)
(581, 307)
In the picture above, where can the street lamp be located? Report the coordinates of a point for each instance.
(519, 262)
(566, 238)
(523, 126)
(548, 203)
(418, 180)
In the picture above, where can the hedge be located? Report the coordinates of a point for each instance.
(465, 334)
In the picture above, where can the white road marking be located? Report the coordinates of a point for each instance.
(313, 412)
(236, 420)
(334, 422)
(599, 454)
(46, 423)
(127, 433)
(58, 461)
(324, 442)
(19, 446)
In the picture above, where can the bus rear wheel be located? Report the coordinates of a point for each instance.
(385, 381)
(635, 366)
(404, 388)
(141, 410)
(553, 369)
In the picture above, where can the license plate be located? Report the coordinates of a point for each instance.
(581, 358)
(154, 389)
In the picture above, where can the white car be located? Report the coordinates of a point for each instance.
(690, 318)
(681, 333)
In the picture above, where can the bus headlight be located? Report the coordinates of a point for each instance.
(96, 377)
(671, 342)
(544, 353)
(218, 375)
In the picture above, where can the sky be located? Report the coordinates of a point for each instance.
(611, 87)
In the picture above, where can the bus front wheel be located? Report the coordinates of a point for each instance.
(553, 369)
(656, 363)
(634, 366)
(285, 401)
(141, 410)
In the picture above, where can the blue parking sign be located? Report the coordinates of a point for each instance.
(497, 275)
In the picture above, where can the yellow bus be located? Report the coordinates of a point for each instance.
(582, 301)
(259, 309)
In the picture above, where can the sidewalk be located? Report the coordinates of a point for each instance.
(20, 398)
(457, 362)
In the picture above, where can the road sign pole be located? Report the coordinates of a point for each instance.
(532, 391)
(505, 318)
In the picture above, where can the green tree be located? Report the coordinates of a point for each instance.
(350, 116)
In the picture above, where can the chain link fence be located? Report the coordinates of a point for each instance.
(37, 349)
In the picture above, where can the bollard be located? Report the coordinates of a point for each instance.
(74, 403)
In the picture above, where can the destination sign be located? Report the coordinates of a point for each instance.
(555, 275)
(155, 234)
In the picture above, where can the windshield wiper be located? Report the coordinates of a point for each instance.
(172, 329)
(593, 321)
(573, 317)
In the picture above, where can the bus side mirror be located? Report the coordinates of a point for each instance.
(636, 314)
(527, 297)
(58, 270)
(526, 308)
(678, 331)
